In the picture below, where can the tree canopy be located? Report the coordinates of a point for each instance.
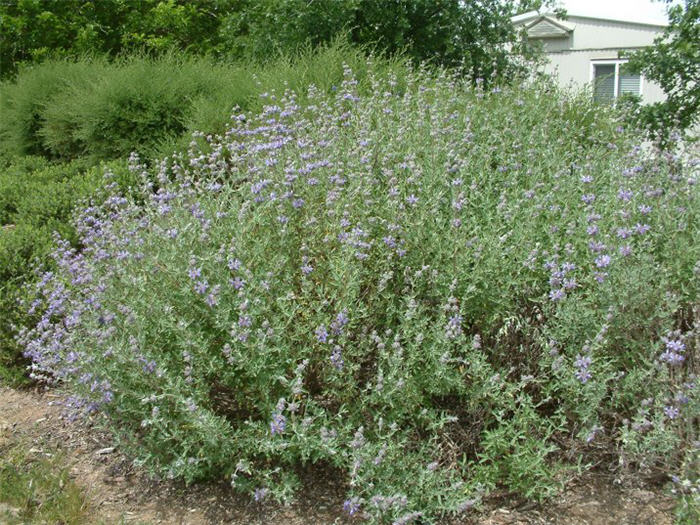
(674, 63)
(477, 35)
(447, 32)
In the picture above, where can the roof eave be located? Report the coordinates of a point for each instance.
(532, 15)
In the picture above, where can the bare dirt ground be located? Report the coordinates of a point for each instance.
(120, 493)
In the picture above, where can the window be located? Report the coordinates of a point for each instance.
(611, 80)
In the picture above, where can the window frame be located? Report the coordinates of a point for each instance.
(617, 63)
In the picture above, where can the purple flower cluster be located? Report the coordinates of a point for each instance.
(321, 334)
(337, 357)
(339, 323)
(352, 506)
(260, 494)
(454, 326)
(673, 351)
(560, 280)
(582, 363)
(278, 424)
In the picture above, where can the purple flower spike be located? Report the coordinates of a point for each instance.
(603, 261)
(557, 295)
(582, 363)
(322, 334)
(351, 506)
(671, 412)
(339, 323)
(278, 424)
(337, 358)
(201, 287)
(260, 494)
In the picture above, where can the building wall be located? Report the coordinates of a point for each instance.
(574, 68)
(590, 33)
(595, 39)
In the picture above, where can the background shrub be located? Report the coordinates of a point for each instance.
(131, 106)
(98, 111)
(25, 101)
(437, 290)
(474, 35)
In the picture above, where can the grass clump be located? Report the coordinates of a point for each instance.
(37, 488)
(437, 290)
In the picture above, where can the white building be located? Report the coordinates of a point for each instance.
(584, 50)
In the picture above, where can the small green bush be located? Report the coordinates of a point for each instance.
(437, 290)
(13, 180)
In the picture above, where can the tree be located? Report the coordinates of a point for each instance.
(674, 63)
(32, 30)
(477, 35)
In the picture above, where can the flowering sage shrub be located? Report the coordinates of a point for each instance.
(435, 291)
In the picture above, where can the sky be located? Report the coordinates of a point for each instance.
(633, 10)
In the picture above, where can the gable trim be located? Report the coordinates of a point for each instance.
(559, 29)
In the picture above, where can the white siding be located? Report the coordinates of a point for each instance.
(574, 68)
(571, 58)
(590, 33)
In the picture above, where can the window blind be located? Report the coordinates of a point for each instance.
(628, 83)
(604, 82)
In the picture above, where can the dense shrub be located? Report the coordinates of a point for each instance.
(25, 101)
(68, 110)
(435, 290)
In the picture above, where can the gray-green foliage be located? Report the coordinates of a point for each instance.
(435, 289)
